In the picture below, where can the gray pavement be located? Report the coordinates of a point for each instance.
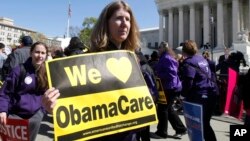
(220, 125)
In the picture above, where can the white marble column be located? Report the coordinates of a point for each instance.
(192, 23)
(220, 27)
(181, 31)
(235, 19)
(242, 16)
(206, 24)
(161, 30)
(170, 27)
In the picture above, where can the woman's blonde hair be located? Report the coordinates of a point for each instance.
(100, 34)
(167, 49)
(189, 47)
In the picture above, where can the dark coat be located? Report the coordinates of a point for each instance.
(18, 56)
(245, 90)
(74, 50)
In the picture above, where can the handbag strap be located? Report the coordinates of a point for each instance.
(199, 70)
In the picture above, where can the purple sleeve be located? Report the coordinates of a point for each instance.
(7, 90)
(4, 100)
(165, 68)
(188, 76)
(186, 86)
(188, 71)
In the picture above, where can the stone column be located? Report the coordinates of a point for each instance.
(161, 30)
(181, 31)
(206, 24)
(236, 21)
(192, 23)
(170, 27)
(220, 27)
(248, 15)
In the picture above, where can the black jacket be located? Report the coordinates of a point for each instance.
(73, 50)
(17, 57)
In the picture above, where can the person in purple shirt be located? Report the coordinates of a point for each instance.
(21, 94)
(167, 71)
(198, 86)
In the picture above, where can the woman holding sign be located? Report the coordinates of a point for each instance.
(116, 28)
(21, 94)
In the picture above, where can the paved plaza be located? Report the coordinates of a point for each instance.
(220, 125)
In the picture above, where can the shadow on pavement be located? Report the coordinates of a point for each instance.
(154, 136)
(46, 127)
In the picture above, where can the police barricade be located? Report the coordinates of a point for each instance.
(101, 94)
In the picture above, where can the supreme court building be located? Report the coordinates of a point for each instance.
(217, 22)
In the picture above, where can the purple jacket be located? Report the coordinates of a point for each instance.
(21, 99)
(200, 83)
(166, 70)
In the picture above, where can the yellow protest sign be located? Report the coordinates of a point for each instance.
(101, 94)
(162, 97)
(1, 84)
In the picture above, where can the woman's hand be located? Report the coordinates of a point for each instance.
(3, 118)
(49, 99)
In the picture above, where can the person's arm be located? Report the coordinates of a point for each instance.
(3, 118)
(212, 66)
(6, 92)
(151, 85)
(220, 61)
(49, 99)
(186, 86)
(188, 77)
(165, 68)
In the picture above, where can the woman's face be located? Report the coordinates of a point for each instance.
(119, 26)
(38, 55)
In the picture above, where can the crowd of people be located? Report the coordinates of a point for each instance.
(190, 76)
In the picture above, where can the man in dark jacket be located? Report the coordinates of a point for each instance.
(75, 47)
(223, 64)
(20, 55)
